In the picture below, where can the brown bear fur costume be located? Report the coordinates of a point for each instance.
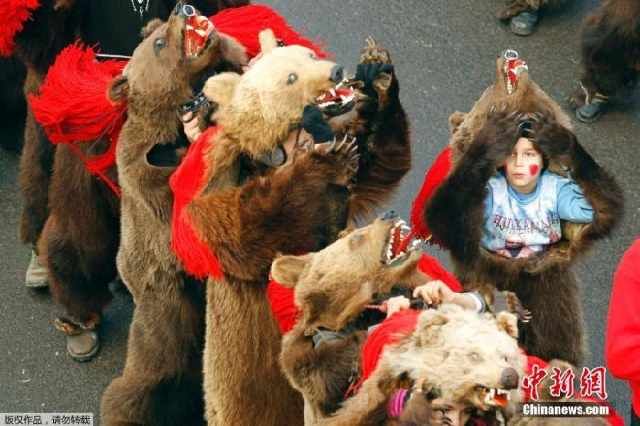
(544, 283)
(162, 379)
(610, 50)
(53, 25)
(72, 216)
(332, 288)
(247, 214)
(457, 354)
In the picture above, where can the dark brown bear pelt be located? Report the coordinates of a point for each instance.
(71, 215)
(162, 379)
(12, 75)
(544, 283)
(52, 26)
(610, 50)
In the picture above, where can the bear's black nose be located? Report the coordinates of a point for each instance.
(391, 214)
(509, 378)
(337, 72)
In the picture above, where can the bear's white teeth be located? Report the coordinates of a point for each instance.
(398, 247)
(336, 100)
(497, 397)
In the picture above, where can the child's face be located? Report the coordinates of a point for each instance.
(523, 166)
(447, 412)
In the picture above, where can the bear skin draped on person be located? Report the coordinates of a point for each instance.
(610, 56)
(51, 26)
(544, 283)
(353, 369)
(246, 214)
(162, 379)
(70, 215)
(333, 288)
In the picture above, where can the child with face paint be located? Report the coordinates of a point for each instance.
(525, 202)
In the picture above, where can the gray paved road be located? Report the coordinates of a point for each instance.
(444, 53)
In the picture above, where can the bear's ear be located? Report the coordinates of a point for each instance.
(508, 323)
(429, 324)
(150, 27)
(268, 41)
(118, 89)
(287, 270)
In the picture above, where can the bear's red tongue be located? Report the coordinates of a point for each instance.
(335, 95)
(501, 400)
(196, 34)
(513, 69)
(397, 244)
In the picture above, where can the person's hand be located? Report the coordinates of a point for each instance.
(499, 134)
(552, 138)
(396, 304)
(434, 293)
(191, 128)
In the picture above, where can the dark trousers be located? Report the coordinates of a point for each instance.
(635, 420)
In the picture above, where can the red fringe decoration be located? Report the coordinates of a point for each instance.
(73, 105)
(283, 306)
(432, 267)
(436, 174)
(245, 23)
(14, 14)
(186, 182)
(389, 332)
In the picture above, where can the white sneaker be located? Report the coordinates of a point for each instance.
(36, 276)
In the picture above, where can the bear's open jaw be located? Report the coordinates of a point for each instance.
(400, 243)
(511, 70)
(197, 32)
(494, 397)
(337, 100)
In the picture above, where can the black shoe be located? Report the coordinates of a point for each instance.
(524, 23)
(591, 111)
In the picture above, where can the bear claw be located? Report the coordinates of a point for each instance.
(374, 53)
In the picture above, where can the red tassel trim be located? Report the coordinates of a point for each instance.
(389, 332)
(73, 106)
(283, 307)
(434, 177)
(432, 267)
(245, 23)
(14, 14)
(186, 182)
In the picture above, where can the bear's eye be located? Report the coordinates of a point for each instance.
(280, 43)
(313, 56)
(159, 44)
(293, 77)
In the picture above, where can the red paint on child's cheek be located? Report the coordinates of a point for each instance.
(533, 169)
